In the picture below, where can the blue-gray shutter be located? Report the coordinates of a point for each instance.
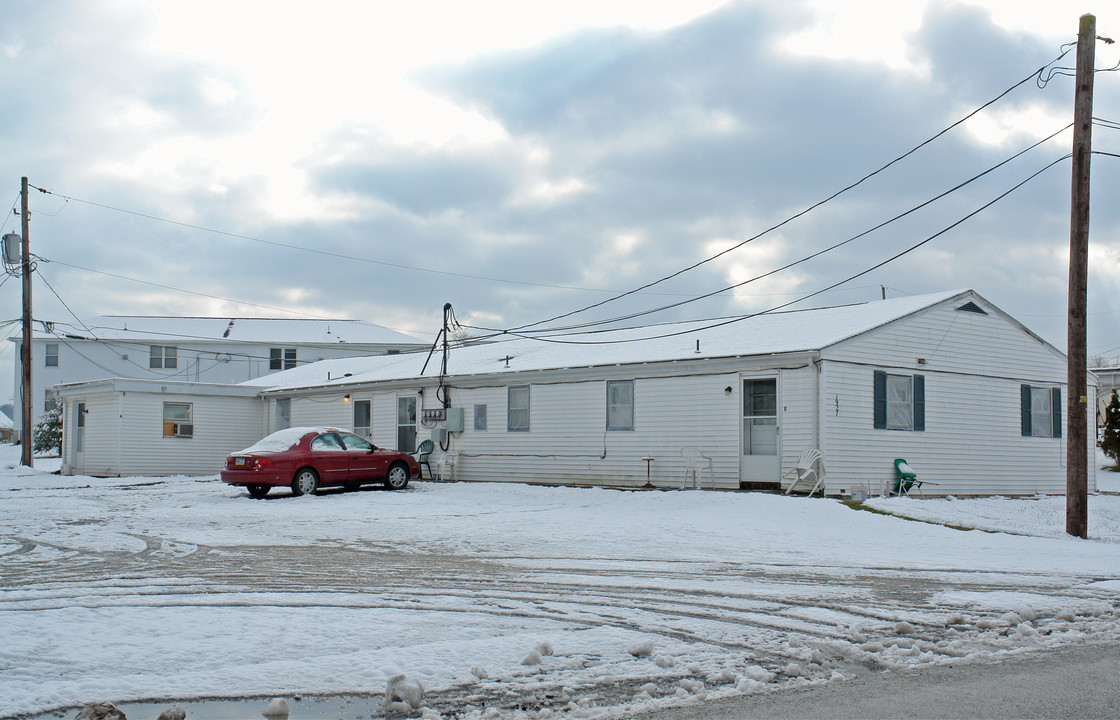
(1025, 408)
(880, 400)
(1056, 411)
(919, 402)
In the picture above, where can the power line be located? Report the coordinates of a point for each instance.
(814, 206)
(202, 294)
(318, 251)
(811, 256)
(740, 318)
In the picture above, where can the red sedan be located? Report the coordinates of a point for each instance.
(308, 458)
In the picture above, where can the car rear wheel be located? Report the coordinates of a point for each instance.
(306, 482)
(397, 479)
(258, 491)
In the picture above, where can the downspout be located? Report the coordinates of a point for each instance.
(818, 365)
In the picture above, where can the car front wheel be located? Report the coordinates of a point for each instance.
(397, 479)
(259, 491)
(306, 482)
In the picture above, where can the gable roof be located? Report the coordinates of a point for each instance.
(166, 330)
(768, 334)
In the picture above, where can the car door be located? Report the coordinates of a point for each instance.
(366, 463)
(331, 459)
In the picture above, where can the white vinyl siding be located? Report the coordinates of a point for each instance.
(974, 366)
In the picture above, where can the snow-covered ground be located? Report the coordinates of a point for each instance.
(514, 601)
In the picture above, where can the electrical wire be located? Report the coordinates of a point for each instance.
(806, 258)
(740, 318)
(810, 208)
(318, 251)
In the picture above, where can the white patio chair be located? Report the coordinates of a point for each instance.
(809, 472)
(445, 466)
(695, 462)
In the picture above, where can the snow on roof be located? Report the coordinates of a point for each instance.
(5, 421)
(783, 332)
(167, 330)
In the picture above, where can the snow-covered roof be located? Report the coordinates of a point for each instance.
(5, 421)
(162, 329)
(774, 333)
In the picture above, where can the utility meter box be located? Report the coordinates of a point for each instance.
(13, 251)
(454, 419)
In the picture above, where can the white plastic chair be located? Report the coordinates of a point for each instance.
(809, 472)
(696, 462)
(445, 467)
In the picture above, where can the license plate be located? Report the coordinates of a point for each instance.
(239, 461)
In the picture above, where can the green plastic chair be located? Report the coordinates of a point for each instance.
(905, 478)
(422, 454)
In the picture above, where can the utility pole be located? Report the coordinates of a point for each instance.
(25, 350)
(1077, 453)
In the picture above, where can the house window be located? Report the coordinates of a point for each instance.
(900, 402)
(177, 420)
(1041, 411)
(362, 415)
(479, 417)
(50, 401)
(281, 358)
(52, 355)
(620, 405)
(517, 419)
(164, 357)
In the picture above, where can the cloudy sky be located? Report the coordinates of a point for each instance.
(374, 160)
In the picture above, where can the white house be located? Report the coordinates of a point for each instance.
(963, 392)
(190, 349)
(124, 427)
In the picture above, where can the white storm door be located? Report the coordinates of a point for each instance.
(78, 440)
(760, 461)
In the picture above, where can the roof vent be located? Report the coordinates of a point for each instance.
(972, 308)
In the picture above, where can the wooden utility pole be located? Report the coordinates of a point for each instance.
(1077, 445)
(25, 350)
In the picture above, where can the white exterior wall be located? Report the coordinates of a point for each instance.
(85, 361)
(798, 414)
(124, 433)
(568, 442)
(222, 425)
(972, 445)
(101, 442)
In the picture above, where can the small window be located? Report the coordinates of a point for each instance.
(177, 421)
(517, 419)
(1041, 411)
(362, 415)
(620, 405)
(899, 402)
(50, 400)
(164, 357)
(52, 355)
(281, 358)
(479, 417)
